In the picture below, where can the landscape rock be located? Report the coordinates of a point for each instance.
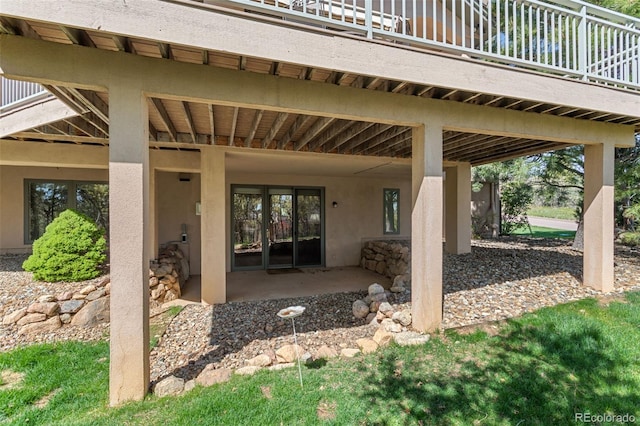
(349, 353)
(402, 317)
(282, 366)
(261, 360)
(367, 346)
(66, 295)
(95, 294)
(172, 385)
(371, 317)
(390, 325)
(325, 352)
(87, 289)
(374, 306)
(189, 385)
(382, 337)
(79, 296)
(47, 298)
(288, 353)
(375, 288)
(410, 338)
(210, 376)
(360, 309)
(48, 326)
(386, 309)
(71, 306)
(249, 370)
(93, 313)
(14, 316)
(65, 318)
(31, 318)
(47, 308)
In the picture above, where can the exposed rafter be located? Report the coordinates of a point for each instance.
(337, 128)
(164, 117)
(347, 135)
(300, 122)
(254, 127)
(189, 120)
(212, 124)
(275, 128)
(317, 127)
(79, 37)
(234, 125)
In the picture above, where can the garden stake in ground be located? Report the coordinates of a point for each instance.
(292, 312)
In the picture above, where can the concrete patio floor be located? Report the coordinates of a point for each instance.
(244, 286)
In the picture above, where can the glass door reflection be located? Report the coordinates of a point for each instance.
(308, 233)
(280, 227)
(247, 231)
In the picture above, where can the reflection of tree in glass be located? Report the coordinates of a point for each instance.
(47, 200)
(281, 212)
(248, 218)
(391, 197)
(92, 199)
(308, 210)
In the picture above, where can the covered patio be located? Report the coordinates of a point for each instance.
(169, 98)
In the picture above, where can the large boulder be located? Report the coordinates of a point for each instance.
(411, 338)
(47, 308)
(288, 353)
(71, 306)
(93, 313)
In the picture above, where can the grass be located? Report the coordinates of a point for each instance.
(159, 324)
(567, 213)
(540, 369)
(542, 232)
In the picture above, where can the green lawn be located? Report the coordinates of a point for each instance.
(553, 212)
(542, 232)
(541, 369)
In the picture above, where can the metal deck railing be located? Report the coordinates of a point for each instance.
(570, 38)
(17, 94)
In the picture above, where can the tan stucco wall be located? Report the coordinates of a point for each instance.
(176, 205)
(357, 217)
(12, 198)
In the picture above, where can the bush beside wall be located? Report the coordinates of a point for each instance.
(71, 249)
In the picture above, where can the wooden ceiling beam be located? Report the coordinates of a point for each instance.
(275, 128)
(212, 124)
(254, 127)
(331, 132)
(345, 136)
(234, 125)
(379, 139)
(364, 136)
(317, 127)
(164, 117)
(189, 120)
(300, 122)
(76, 36)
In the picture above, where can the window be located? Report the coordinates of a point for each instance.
(391, 210)
(45, 200)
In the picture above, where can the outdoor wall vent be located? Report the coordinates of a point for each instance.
(184, 177)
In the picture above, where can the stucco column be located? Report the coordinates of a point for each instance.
(213, 227)
(426, 228)
(153, 213)
(129, 249)
(458, 209)
(598, 217)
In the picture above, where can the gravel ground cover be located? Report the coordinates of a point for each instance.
(498, 280)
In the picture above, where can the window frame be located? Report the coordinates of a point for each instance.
(72, 188)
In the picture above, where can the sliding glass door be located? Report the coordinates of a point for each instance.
(291, 230)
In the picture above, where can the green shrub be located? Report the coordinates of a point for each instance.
(71, 249)
(630, 238)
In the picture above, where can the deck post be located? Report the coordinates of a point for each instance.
(458, 209)
(129, 242)
(426, 227)
(598, 217)
(213, 226)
